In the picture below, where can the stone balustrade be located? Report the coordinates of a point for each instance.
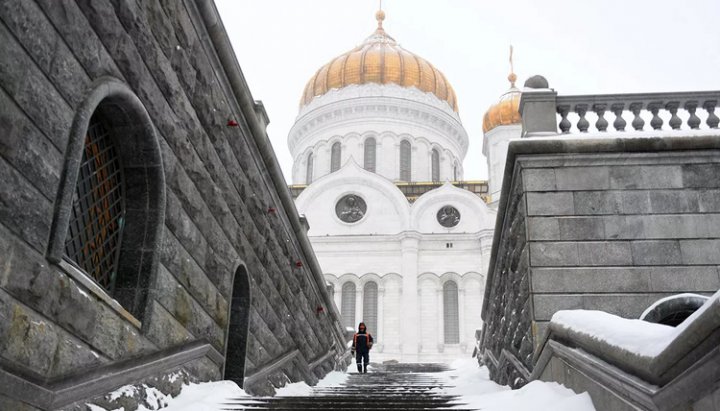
(544, 112)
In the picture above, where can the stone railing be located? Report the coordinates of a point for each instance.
(544, 112)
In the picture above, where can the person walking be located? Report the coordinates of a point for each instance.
(362, 343)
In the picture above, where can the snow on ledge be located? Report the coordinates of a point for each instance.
(636, 336)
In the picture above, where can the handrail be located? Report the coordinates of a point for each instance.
(636, 103)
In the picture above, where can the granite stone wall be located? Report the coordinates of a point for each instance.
(612, 225)
(221, 215)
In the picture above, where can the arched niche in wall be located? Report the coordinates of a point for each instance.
(237, 334)
(110, 207)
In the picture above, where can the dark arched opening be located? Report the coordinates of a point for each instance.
(238, 329)
(673, 310)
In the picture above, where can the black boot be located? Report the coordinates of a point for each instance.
(359, 367)
(365, 369)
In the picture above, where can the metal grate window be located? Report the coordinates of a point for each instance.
(450, 311)
(335, 152)
(405, 161)
(370, 308)
(309, 170)
(369, 158)
(98, 208)
(347, 309)
(435, 165)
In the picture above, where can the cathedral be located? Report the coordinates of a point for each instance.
(403, 240)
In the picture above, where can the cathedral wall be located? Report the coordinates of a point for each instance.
(220, 218)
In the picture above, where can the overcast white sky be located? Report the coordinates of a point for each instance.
(580, 46)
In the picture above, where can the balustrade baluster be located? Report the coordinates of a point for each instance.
(601, 123)
(582, 123)
(638, 123)
(675, 121)
(656, 122)
(712, 120)
(564, 122)
(619, 122)
(693, 120)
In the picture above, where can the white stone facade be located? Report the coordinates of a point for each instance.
(418, 284)
(404, 250)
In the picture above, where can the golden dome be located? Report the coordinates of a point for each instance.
(506, 111)
(379, 59)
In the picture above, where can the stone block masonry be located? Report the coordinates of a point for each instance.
(611, 225)
(215, 276)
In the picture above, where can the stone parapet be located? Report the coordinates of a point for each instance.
(604, 224)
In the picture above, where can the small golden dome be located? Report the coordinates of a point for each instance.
(379, 59)
(506, 111)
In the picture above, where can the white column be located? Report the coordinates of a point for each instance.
(337, 295)
(409, 336)
(441, 318)
(381, 317)
(461, 316)
(358, 306)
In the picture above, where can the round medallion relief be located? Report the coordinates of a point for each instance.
(351, 208)
(448, 216)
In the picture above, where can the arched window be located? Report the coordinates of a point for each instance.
(97, 216)
(110, 208)
(455, 172)
(347, 309)
(370, 307)
(450, 310)
(335, 153)
(331, 290)
(435, 165)
(369, 157)
(309, 169)
(405, 161)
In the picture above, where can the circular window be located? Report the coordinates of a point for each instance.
(351, 208)
(448, 216)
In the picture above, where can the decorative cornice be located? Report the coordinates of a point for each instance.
(379, 103)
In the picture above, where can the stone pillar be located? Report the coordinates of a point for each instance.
(409, 335)
(538, 108)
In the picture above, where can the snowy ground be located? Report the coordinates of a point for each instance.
(466, 380)
(478, 391)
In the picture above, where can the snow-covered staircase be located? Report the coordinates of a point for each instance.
(384, 387)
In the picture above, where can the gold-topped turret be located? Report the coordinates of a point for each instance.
(379, 59)
(506, 111)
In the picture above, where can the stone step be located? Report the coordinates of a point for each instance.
(387, 387)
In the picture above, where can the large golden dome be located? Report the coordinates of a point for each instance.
(506, 111)
(379, 59)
